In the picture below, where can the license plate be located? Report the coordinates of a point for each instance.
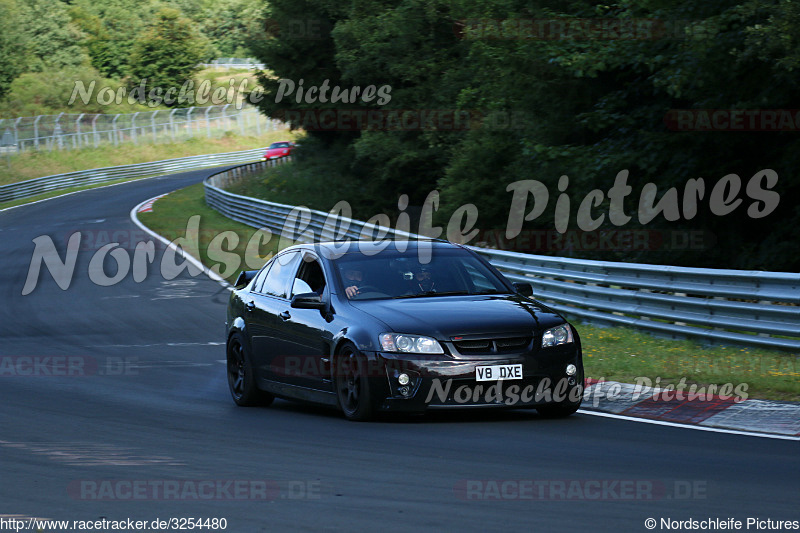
(497, 372)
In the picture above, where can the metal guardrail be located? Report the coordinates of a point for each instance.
(753, 308)
(262, 214)
(33, 187)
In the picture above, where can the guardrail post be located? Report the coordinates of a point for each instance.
(16, 135)
(36, 131)
(94, 130)
(258, 123)
(78, 128)
(153, 125)
(114, 131)
(240, 119)
(7, 142)
(189, 120)
(58, 133)
(172, 123)
(133, 128)
(226, 120)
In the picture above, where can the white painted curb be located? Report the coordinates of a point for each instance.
(180, 251)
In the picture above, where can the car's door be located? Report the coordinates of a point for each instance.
(269, 301)
(252, 318)
(308, 339)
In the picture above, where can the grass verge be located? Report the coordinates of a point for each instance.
(613, 353)
(222, 242)
(626, 355)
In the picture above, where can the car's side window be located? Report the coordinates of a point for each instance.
(282, 271)
(258, 282)
(300, 287)
(479, 281)
(310, 277)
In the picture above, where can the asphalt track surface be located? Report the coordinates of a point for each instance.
(152, 406)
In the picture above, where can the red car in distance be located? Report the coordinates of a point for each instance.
(279, 149)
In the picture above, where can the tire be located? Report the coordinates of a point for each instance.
(352, 384)
(241, 378)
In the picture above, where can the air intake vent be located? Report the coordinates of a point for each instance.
(487, 346)
(481, 345)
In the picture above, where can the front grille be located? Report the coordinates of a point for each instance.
(489, 346)
(473, 346)
(516, 342)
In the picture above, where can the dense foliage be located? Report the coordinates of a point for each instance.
(121, 41)
(582, 103)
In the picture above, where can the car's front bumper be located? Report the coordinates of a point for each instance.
(449, 382)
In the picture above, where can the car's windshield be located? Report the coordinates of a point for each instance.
(279, 145)
(403, 275)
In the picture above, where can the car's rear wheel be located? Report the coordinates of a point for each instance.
(241, 379)
(352, 384)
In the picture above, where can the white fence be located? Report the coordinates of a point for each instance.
(234, 62)
(72, 131)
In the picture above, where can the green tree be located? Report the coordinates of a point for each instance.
(111, 28)
(167, 54)
(230, 25)
(577, 102)
(53, 39)
(13, 44)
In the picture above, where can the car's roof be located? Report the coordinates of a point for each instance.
(339, 248)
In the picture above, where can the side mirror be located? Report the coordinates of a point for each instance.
(244, 278)
(307, 300)
(525, 289)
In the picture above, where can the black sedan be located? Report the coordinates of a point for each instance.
(404, 326)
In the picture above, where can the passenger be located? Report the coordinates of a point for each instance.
(423, 280)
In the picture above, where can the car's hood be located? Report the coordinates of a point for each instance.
(448, 316)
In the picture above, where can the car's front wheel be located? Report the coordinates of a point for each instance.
(241, 379)
(352, 384)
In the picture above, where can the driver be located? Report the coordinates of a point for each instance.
(353, 278)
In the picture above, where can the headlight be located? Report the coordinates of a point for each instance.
(558, 335)
(399, 342)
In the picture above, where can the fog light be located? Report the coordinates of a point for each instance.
(403, 379)
(571, 381)
(404, 391)
(571, 369)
